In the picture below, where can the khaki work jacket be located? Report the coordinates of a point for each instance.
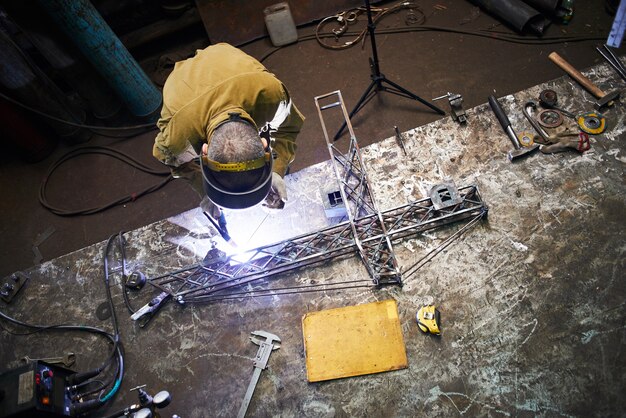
(200, 93)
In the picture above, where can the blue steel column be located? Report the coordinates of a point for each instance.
(84, 25)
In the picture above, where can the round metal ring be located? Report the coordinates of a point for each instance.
(550, 118)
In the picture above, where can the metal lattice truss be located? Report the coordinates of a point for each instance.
(367, 232)
(375, 250)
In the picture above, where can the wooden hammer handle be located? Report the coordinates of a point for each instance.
(576, 75)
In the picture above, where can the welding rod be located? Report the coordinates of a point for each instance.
(222, 231)
(613, 61)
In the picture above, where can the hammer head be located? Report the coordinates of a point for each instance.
(607, 100)
(522, 152)
(259, 337)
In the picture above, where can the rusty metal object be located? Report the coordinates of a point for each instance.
(550, 118)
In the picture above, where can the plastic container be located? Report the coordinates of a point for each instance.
(280, 24)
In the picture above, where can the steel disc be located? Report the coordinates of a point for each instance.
(550, 118)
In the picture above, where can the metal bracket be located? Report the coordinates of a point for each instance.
(11, 285)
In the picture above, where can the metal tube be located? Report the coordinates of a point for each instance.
(84, 25)
(516, 13)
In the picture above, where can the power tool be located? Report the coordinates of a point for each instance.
(429, 319)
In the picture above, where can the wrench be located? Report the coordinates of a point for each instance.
(266, 346)
(534, 123)
(67, 360)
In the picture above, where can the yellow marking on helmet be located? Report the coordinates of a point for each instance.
(239, 166)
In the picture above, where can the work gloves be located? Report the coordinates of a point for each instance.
(277, 195)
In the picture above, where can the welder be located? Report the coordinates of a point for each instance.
(229, 127)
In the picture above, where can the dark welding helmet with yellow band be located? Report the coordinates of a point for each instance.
(238, 185)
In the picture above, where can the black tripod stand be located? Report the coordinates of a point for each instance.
(378, 79)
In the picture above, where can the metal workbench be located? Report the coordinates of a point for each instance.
(532, 298)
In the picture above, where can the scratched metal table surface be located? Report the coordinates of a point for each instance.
(532, 299)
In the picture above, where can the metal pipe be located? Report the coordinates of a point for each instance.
(84, 25)
(516, 13)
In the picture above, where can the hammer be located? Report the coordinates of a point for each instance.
(519, 151)
(604, 99)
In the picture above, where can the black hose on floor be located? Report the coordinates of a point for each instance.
(111, 152)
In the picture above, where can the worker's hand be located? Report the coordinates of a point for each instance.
(277, 196)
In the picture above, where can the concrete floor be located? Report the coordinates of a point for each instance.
(532, 298)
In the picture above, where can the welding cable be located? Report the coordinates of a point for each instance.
(104, 396)
(59, 327)
(117, 353)
(117, 344)
(422, 261)
(110, 152)
(122, 245)
(145, 127)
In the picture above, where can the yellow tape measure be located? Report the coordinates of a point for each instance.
(429, 319)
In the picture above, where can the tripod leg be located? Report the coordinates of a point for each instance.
(358, 107)
(412, 96)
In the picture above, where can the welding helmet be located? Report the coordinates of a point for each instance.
(238, 185)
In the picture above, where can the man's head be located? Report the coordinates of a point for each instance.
(237, 166)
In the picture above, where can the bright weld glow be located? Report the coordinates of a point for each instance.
(249, 229)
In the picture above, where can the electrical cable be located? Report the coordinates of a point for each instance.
(100, 150)
(117, 352)
(151, 126)
(117, 344)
